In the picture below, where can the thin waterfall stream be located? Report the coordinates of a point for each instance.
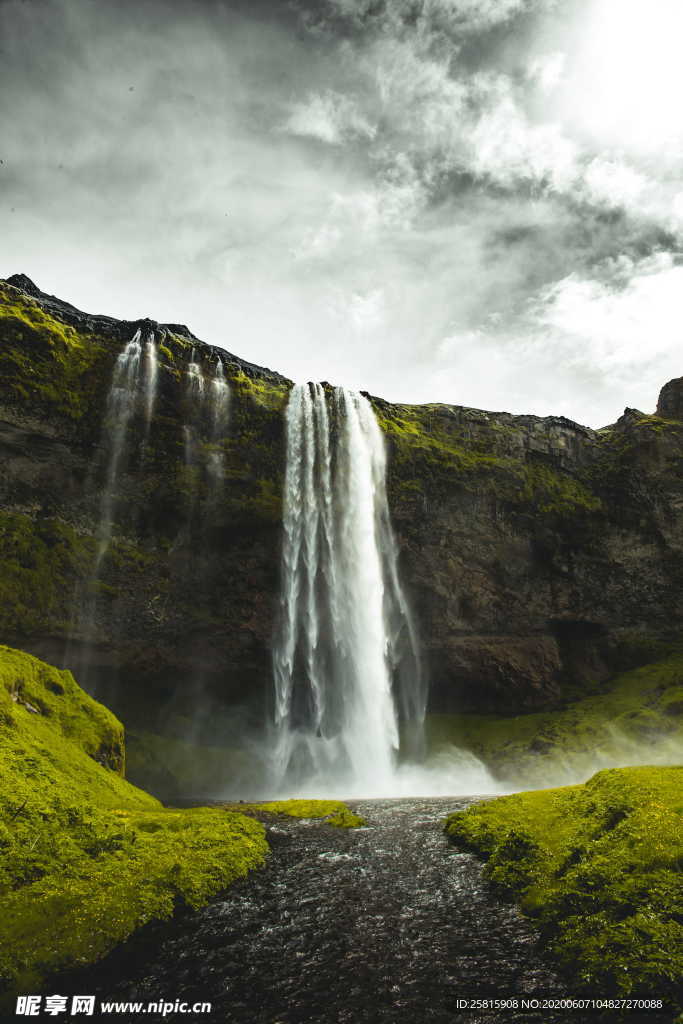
(132, 393)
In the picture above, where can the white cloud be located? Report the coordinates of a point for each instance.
(613, 183)
(546, 70)
(506, 146)
(622, 325)
(329, 117)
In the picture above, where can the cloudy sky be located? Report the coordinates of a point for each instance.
(467, 201)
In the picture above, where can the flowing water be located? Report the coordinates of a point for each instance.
(122, 402)
(152, 374)
(206, 420)
(194, 389)
(385, 923)
(219, 405)
(345, 663)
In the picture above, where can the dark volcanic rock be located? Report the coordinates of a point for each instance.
(670, 404)
(539, 554)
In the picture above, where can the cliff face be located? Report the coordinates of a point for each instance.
(182, 605)
(544, 555)
(540, 555)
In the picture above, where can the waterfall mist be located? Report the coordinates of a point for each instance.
(349, 691)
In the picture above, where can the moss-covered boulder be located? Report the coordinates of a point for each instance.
(85, 857)
(599, 867)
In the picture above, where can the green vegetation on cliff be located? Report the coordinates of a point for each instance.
(599, 867)
(45, 363)
(639, 717)
(41, 561)
(480, 449)
(86, 858)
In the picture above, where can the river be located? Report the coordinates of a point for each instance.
(388, 923)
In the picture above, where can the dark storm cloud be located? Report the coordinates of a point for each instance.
(390, 195)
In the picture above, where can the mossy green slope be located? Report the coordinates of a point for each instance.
(86, 858)
(639, 717)
(599, 866)
(45, 363)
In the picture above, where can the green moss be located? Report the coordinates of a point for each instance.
(331, 812)
(46, 704)
(346, 818)
(638, 712)
(557, 494)
(86, 857)
(599, 866)
(429, 445)
(42, 559)
(420, 435)
(44, 362)
(659, 425)
(179, 345)
(262, 391)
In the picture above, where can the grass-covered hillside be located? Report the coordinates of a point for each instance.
(638, 718)
(599, 867)
(86, 858)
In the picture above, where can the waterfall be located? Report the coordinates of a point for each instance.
(152, 373)
(195, 378)
(219, 403)
(207, 419)
(345, 662)
(122, 402)
(195, 396)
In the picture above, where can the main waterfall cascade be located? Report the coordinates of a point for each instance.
(346, 666)
(349, 692)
